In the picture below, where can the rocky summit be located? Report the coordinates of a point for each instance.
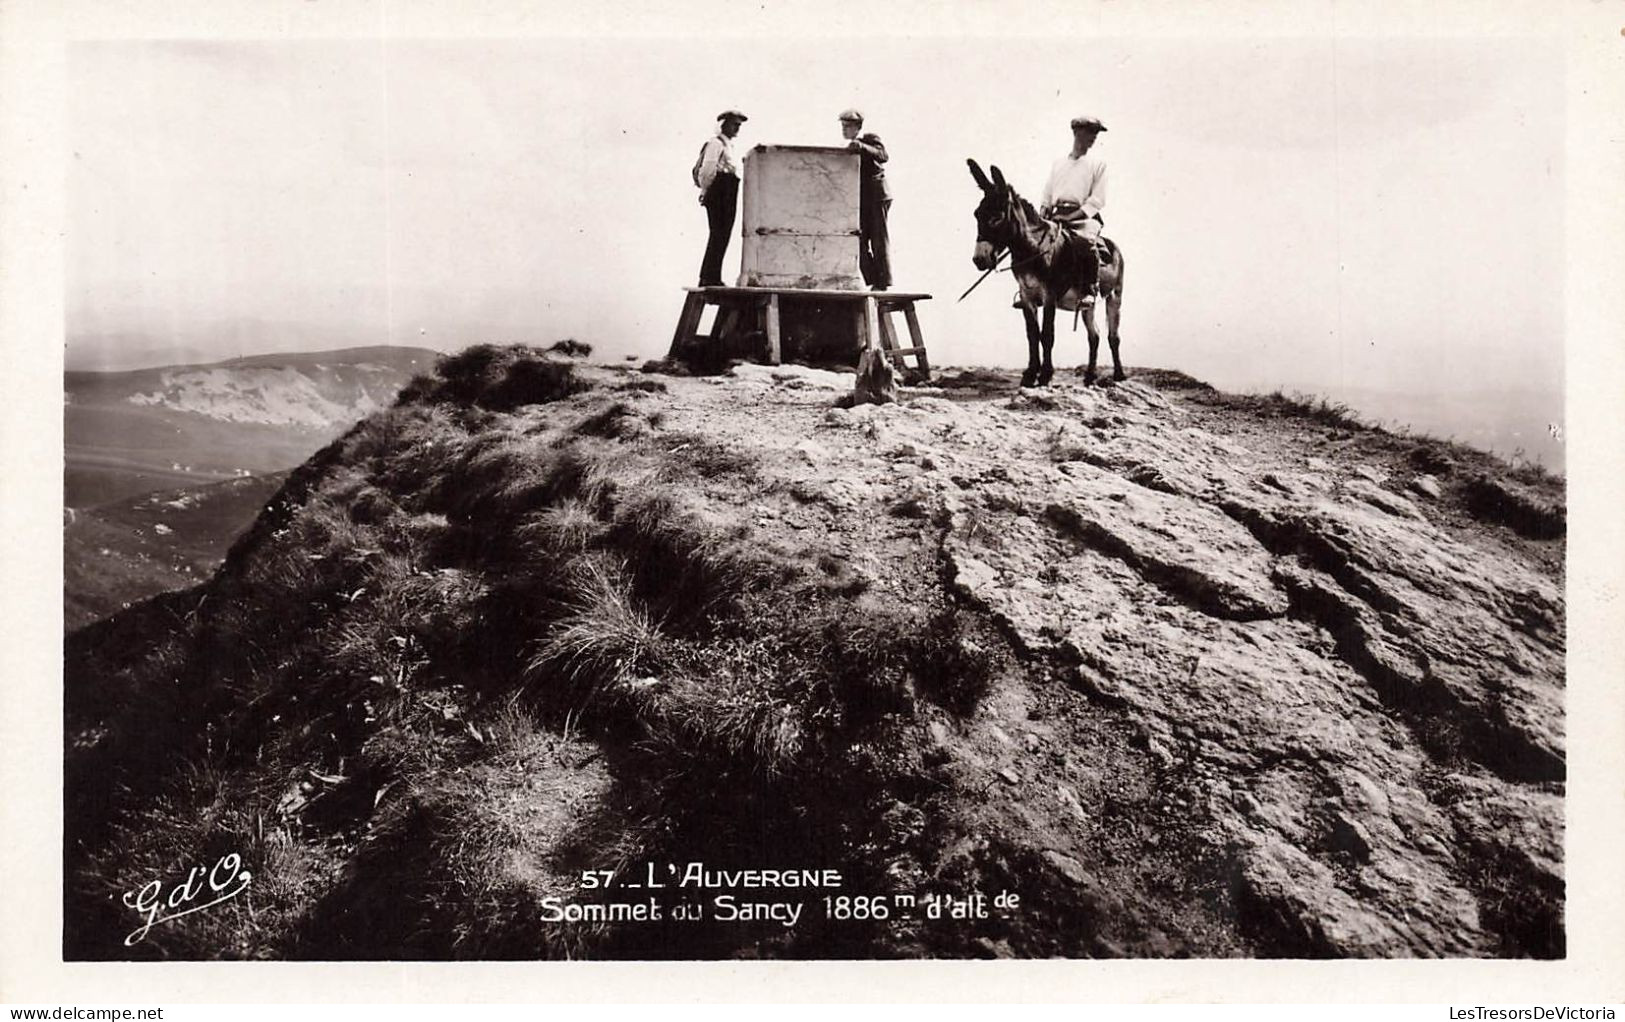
(1172, 672)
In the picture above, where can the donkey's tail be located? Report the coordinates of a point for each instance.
(1116, 263)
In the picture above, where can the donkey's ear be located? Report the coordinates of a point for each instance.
(980, 177)
(998, 179)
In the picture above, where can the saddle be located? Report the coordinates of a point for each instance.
(1065, 215)
(1081, 295)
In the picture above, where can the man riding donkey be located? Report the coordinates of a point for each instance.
(1073, 197)
(1058, 256)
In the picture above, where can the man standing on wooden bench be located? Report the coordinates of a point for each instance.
(874, 202)
(716, 174)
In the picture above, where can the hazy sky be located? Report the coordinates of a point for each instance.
(1313, 214)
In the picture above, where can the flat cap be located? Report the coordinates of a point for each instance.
(734, 114)
(851, 115)
(1092, 123)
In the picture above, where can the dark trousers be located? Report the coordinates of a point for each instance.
(874, 244)
(721, 202)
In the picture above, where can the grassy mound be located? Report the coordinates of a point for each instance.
(473, 648)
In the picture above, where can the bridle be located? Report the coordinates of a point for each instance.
(1000, 253)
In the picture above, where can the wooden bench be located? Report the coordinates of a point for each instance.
(743, 309)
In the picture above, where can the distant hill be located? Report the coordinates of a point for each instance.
(133, 432)
(133, 549)
(1189, 674)
(198, 343)
(124, 351)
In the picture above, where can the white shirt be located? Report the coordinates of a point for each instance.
(1081, 179)
(717, 158)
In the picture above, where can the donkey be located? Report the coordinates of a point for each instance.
(1053, 267)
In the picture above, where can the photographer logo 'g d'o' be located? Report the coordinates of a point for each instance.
(219, 883)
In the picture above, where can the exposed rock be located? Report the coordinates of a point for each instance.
(1382, 499)
(1332, 651)
(910, 505)
(1427, 486)
(1194, 552)
(1067, 866)
(1069, 799)
(790, 375)
(812, 451)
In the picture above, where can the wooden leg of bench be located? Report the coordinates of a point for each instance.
(871, 324)
(914, 335)
(727, 319)
(888, 337)
(774, 353)
(688, 321)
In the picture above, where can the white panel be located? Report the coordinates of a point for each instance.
(802, 260)
(800, 221)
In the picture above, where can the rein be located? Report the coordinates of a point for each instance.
(995, 269)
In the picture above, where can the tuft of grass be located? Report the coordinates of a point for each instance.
(1523, 908)
(666, 366)
(706, 457)
(1503, 501)
(955, 658)
(975, 378)
(571, 347)
(1276, 404)
(498, 379)
(1534, 474)
(531, 383)
(604, 638)
(1170, 379)
(563, 529)
(201, 816)
(619, 421)
(1314, 409)
(1432, 458)
(710, 735)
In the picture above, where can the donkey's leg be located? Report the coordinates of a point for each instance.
(1094, 340)
(1114, 310)
(1048, 369)
(1030, 377)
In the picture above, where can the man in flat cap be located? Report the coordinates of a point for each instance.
(874, 202)
(716, 174)
(1076, 190)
